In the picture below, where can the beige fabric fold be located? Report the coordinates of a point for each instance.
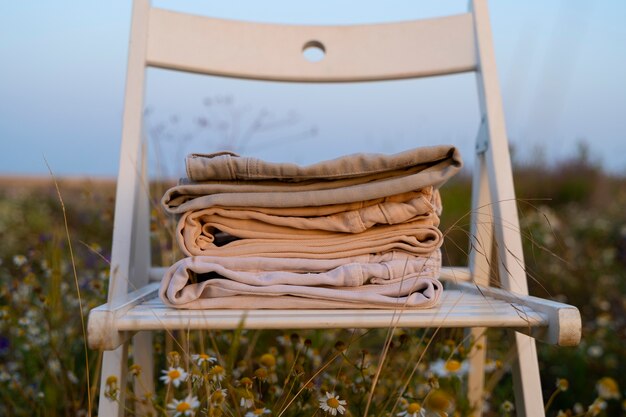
(370, 281)
(360, 231)
(227, 165)
(352, 178)
(347, 218)
(418, 237)
(197, 230)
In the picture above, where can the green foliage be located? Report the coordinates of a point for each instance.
(573, 222)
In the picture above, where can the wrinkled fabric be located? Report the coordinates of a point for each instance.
(416, 238)
(358, 177)
(359, 231)
(203, 232)
(370, 281)
(230, 166)
(337, 218)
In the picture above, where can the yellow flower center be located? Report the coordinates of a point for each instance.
(217, 397)
(184, 406)
(174, 374)
(260, 373)
(217, 370)
(609, 384)
(135, 369)
(203, 356)
(453, 365)
(413, 408)
(268, 360)
(333, 402)
(438, 401)
(258, 411)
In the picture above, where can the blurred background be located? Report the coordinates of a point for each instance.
(63, 71)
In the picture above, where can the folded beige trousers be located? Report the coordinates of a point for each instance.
(419, 237)
(200, 230)
(389, 281)
(227, 165)
(347, 218)
(352, 178)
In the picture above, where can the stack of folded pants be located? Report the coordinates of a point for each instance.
(359, 231)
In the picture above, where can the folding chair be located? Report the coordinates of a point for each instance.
(421, 48)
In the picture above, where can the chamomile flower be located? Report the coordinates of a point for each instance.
(186, 407)
(451, 367)
(268, 360)
(438, 403)
(174, 376)
(218, 397)
(261, 374)
(71, 376)
(203, 358)
(595, 351)
(217, 373)
(596, 408)
(491, 365)
(607, 388)
(134, 369)
(111, 388)
(331, 404)
(578, 408)
(247, 399)
(258, 412)
(507, 407)
(412, 410)
(19, 260)
(173, 358)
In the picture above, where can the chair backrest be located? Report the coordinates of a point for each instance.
(430, 47)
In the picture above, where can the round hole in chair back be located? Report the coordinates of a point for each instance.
(313, 51)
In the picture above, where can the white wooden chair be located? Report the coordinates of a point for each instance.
(430, 47)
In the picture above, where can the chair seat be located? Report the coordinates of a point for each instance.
(463, 304)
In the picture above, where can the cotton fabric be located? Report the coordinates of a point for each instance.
(374, 281)
(359, 231)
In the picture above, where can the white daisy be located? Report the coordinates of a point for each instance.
(331, 404)
(218, 397)
(203, 358)
(247, 400)
(174, 376)
(597, 407)
(491, 365)
(186, 407)
(607, 388)
(450, 367)
(412, 410)
(507, 406)
(19, 260)
(217, 373)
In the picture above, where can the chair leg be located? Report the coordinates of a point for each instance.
(526, 379)
(114, 364)
(476, 376)
(142, 353)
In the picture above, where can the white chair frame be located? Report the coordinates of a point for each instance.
(167, 39)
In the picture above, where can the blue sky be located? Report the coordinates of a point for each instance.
(62, 67)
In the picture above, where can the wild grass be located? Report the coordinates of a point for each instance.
(573, 215)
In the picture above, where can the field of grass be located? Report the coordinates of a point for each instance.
(574, 223)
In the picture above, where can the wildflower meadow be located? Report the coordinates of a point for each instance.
(54, 260)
